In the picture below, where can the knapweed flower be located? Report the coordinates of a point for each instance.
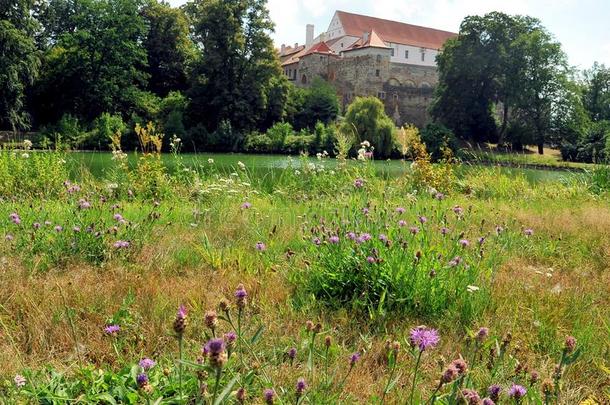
(36, 225)
(570, 344)
(400, 210)
(494, 392)
(481, 240)
(471, 396)
(353, 359)
(449, 375)
(121, 244)
(482, 334)
(316, 241)
(269, 396)
(241, 296)
(260, 246)
(444, 231)
(333, 239)
(365, 211)
(383, 237)
(458, 210)
(365, 237)
(359, 183)
(211, 319)
(422, 219)
(371, 259)
(301, 386)
(112, 329)
(517, 391)
(216, 352)
(15, 218)
(9, 237)
(84, 204)
(455, 261)
(423, 338)
(292, 353)
(180, 321)
(402, 223)
(147, 363)
(464, 243)
(142, 380)
(58, 228)
(240, 395)
(439, 196)
(528, 232)
(230, 339)
(460, 365)
(351, 235)
(246, 205)
(119, 218)
(414, 230)
(19, 380)
(76, 229)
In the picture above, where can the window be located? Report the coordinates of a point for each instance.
(377, 72)
(381, 95)
(304, 79)
(423, 56)
(407, 54)
(341, 44)
(321, 57)
(294, 76)
(395, 97)
(392, 52)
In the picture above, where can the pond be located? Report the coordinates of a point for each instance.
(97, 162)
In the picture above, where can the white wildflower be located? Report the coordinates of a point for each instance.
(241, 165)
(472, 288)
(27, 144)
(211, 161)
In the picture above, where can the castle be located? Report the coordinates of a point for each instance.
(368, 56)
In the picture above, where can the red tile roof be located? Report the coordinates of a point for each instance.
(394, 31)
(320, 47)
(373, 41)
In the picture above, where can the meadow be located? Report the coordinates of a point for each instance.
(232, 279)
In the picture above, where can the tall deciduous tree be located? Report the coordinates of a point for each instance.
(168, 47)
(234, 78)
(19, 61)
(596, 97)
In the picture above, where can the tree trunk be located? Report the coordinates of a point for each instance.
(504, 124)
(541, 148)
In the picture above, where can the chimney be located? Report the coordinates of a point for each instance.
(308, 35)
(283, 49)
(296, 45)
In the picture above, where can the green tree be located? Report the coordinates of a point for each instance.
(232, 78)
(320, 104)
(367, 120)
(596, 97)
(19, 61)
(97, 65)
(168, 47)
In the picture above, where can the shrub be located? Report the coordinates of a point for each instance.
(258, 143)
(367, 120)
(278, 134)
(295, 144)
(438, 138)
(104, 127)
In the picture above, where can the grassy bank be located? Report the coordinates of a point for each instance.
(501, 267)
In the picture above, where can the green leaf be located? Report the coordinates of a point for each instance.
(226, 391)
(257, 335)
(106, 397)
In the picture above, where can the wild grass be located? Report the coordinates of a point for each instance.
(541, 274)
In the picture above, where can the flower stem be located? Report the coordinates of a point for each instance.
(216, 384)
(180, 366)
(414, 378)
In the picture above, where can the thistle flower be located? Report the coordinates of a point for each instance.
(216, 349)
(351, 235)
(333, 239)
(517, 391)
(260, 246)
(353, 359)
(383, 237)
(494, 392)
(365, 236)
(301, 386)
(112, 330)
(241, 296)
(211, 319)
(423, 338)
(471, 396)
(269, 396)
(570, 344)
(19, 380)
(147, 363)
(180, 321)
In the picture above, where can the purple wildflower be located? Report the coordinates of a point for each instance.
(112, 329)
(482, 334)
(20, 381)
(269, 395)
(400, 210)
(292, 353)
(15, 218)
(359, 183)
(316, 241)
(422, 219)
(402, 222)
(215, 346)
(142, 380)
(333, 239)
(121, 244)
(84, 204)
(260, 246)
(488, 401)
(471, 396)
(246, 205)
(444, 231)
(481, 240)
(464, 243)
(371, 259)
(424, 338)
(36, 225)
(517, 391)
(365, 236)
(301, 386)
(58, 228)
(76, 229)
(230, 337)
(455, 261)
(147, 363)
(365, 211)
(528, 232)
(494, 392)
(383, 237)
(9, 237)
(353, 359)
(351, 235)
(414, 230)
(439, 196)
(458, 210)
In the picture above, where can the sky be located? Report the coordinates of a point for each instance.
(582, 26)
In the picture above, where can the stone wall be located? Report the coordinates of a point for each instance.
(406, 90)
